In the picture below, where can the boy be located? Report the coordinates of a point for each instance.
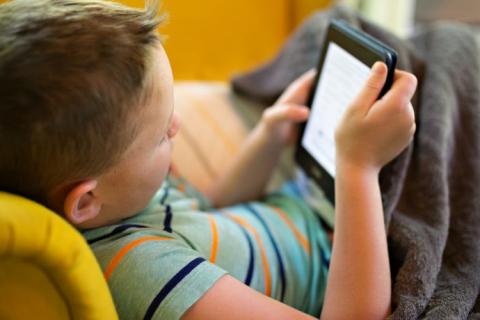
(86, 129)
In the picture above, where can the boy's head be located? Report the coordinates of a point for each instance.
(86, 107)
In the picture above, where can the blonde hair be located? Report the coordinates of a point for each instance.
(72, 72)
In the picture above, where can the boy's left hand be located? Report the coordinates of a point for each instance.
(248, 175)
(280, 120)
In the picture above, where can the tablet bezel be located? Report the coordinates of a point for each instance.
(366, 49)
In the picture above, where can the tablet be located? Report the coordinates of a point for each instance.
(345, 63)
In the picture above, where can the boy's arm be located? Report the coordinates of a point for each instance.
(233, 300)
(359, 272)
(247, 177)
(370, 135)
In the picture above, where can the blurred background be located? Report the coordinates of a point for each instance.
(214, 39)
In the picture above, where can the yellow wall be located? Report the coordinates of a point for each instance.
(213, 39)
(304, 8)
(216, 38)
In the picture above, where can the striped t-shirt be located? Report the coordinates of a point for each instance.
(161, 261)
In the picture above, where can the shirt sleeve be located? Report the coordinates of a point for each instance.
(155, 277)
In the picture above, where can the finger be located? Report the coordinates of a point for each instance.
(400, 74)
(287, 112)
(403, 89)
(372, 88)
(298, 91)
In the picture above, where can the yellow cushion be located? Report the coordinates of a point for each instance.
(47, 270)
(22, 281)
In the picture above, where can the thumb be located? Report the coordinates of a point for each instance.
(372, 88)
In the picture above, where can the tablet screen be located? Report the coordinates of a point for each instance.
(341, 79)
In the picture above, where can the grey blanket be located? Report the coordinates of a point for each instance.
(431, 192)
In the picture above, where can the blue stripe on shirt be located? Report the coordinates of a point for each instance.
(115, 231)
(283, 280)
(251, 258)
(170, 285)
(251, 255)
(167, 223)
(251, 262)
(165, 195)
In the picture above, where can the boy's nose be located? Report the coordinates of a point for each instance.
(175, 126)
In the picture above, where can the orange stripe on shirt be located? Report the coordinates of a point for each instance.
(213, 251)
(181, 187)
(266, 265)
(125, 249)
(298, 235)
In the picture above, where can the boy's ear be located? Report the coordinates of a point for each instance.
(81, 204)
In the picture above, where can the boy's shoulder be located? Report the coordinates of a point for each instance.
(150, 269)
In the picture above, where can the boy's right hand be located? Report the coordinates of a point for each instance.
(372, 132)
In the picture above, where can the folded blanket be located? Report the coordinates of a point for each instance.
(431, 191)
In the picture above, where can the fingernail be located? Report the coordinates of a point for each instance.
(377, 67)
(305, 109)
(311, 71)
